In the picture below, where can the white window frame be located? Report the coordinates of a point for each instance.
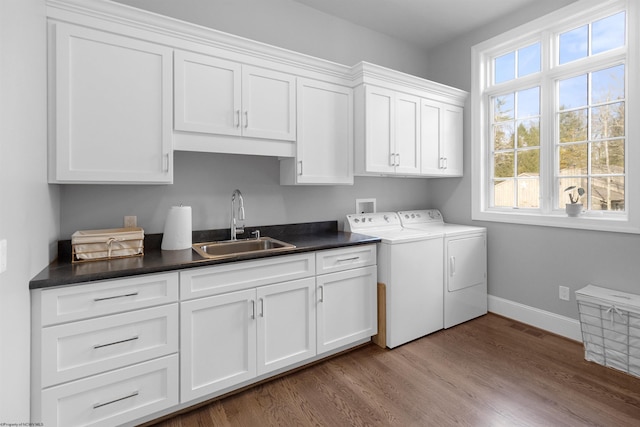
(544, 29)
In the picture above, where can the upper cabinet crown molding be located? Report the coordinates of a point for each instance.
(111, 16)
(371, 74)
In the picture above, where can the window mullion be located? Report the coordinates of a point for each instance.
(548, 133)
(547, 124)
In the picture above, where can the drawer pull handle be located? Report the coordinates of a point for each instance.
(349, 259)
(115, 342)
(321, 293)
(100, 405)
(117, 296)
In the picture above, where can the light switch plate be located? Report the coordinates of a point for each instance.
(130, 221)
(3, 255)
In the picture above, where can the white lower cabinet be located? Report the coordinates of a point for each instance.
(233, 337)
(92, 346)
(113, 398)
(347, 309)
(286, 316)
(122, 351)
(218, 343)
(115, 362)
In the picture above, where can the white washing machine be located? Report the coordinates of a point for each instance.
(465, 264)
(410, 266)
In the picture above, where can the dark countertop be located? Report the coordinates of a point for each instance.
(307, 237)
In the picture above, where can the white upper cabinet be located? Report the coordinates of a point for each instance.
(110, 108)
(407, 134)
(388, 133)
(405, 125)
(218, 96)
(268, 104)
(324, 150)
(442, 141)
(125, 94)
(207, 94)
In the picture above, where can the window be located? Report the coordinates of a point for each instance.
(550, 111)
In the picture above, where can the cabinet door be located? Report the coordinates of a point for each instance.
(407, 134)
(286, 324)
(218, 343)
(431, 121)
(441, 139)
(207, 94)
(379, 130)
(452, 139)
(324, 149)
(347, 309)
(268, 104)
(111, 98)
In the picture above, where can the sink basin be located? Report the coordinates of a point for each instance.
(231, 248)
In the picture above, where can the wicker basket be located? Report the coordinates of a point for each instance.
(96, 245)
(610, 322)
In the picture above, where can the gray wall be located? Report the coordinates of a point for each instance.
(205, 182)
(29, 207)
(528, 263)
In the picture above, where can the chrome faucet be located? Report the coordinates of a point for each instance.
(234, 226)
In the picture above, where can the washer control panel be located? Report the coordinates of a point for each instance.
(369, 221)
(427, 216)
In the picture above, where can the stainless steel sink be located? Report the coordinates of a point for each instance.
(231, 248)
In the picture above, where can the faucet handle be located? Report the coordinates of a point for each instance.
(256, 234)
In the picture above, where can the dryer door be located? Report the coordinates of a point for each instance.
(466, 262)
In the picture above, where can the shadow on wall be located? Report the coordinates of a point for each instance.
(205, 182)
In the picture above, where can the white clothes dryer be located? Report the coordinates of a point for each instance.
(410, 266)
(465, 264)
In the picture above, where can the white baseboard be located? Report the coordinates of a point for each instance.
(560, 325)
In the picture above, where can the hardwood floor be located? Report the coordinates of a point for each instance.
(490, 371)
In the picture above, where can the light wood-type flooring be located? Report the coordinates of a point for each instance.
(490, 371)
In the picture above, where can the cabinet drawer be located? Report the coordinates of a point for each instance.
(107, 297)
(113, 398)
(79, 349)
(345, 258)
(237, 276)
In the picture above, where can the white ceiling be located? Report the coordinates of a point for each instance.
(426, 23)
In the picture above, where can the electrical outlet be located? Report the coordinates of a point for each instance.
(130, 221)
(563, 293)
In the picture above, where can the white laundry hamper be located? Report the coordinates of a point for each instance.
(610, 322)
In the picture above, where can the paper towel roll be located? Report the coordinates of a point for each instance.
(177, 229)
